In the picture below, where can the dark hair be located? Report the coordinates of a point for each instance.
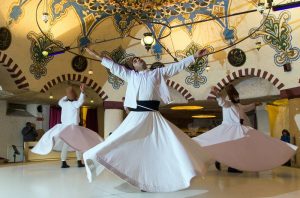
(285, 131)
(129, 63)
(232, 93)
(39, 109)
(28, 123)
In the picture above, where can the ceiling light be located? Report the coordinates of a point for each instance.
(92, 101)
(203, 116)
(207, 68)
(45, 53)
(90, 72)
(187, 108)
(261, 8)
(45, 17)
(258, 45)
(148, 41)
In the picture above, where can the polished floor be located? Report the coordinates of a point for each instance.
(47, 180)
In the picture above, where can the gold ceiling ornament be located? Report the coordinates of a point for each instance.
(149, 4)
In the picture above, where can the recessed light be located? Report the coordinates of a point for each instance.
(203, 116)
(187, 108)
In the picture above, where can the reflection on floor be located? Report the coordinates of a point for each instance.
(43, 180)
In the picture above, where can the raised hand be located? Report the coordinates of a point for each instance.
(214, 91)
(82, 87)
(201, 53)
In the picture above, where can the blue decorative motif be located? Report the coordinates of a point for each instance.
(16, 11)
(196, 78)
(93, 12)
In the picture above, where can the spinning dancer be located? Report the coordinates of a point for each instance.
(146, 150)
(237, 145)
(68, 135)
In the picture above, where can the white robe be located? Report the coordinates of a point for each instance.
(146, 150)
(77, 137)
(240, 146)
(153, 81)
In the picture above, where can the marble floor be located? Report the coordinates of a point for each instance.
(47, 180)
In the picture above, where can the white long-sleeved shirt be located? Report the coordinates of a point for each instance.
(147, 85)
(233, 113)
(70, 110)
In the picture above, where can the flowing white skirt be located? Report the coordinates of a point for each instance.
(150, 153)
(78, 138)
(245, 148)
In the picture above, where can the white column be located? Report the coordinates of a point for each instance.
(263, 120)
(112, 119)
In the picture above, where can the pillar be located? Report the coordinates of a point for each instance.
(113, 116)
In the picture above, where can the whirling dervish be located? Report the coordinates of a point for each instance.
(68, 136)
(238, 145)
(146, 150)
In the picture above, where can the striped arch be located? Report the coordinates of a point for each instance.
(252, 72)
(79, 78)
(13, 69)
(184, 92)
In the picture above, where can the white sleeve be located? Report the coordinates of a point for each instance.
(247, 108)
(222, 102)
(62, 100)
(117, 69)
(80, 101)
(173, 69)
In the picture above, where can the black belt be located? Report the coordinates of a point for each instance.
(241, 121)
(146, 105)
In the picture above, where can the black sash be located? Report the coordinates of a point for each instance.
(241, 121)
(146, 105)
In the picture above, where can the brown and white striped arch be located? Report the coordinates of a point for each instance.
(79, 78)
(13, 69)
(184, 92)
(251, 72)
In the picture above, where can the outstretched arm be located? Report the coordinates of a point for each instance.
(175, 68)
(81, 98)
(114, 68)
(222, 102)
(62, 100)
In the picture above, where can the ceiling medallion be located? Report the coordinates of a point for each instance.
(5, 38)
(79, 63)
(236, 57)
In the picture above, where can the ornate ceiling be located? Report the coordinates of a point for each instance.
(125, 14)
(77, 23)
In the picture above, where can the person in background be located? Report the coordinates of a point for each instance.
(236, 144)
(29, 133)
(285, 137)
(68, 136)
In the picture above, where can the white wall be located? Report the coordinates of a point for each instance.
(256, 87)
(263, 120)
(32, 108)
(10, 130)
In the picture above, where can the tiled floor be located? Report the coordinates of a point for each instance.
(43, 180)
